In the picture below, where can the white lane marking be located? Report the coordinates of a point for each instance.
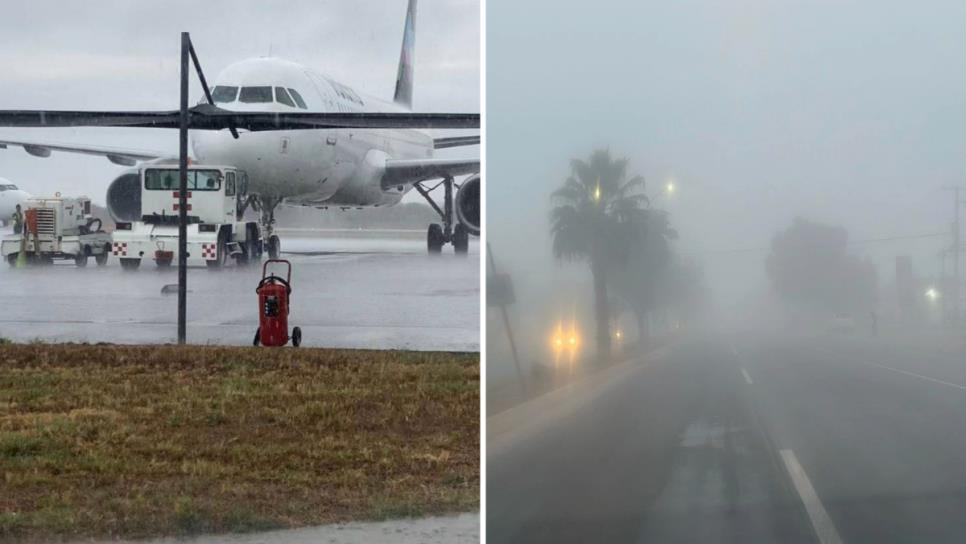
(747, 377)
(821, 522)
(914, 375)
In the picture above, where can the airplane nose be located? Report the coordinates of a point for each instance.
(19, 196)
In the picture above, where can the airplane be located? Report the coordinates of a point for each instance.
(10, 197)
(305, 140)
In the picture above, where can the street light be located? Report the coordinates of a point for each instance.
(669, 187)
(932, 294)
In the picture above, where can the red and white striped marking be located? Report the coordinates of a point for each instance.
(209, 252)
(177, 205)
(120, 249)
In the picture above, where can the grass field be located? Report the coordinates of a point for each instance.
(134, 441)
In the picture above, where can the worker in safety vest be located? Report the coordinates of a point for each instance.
(18, 221)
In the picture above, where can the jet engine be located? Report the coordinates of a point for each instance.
(468, 204)
(124, 197)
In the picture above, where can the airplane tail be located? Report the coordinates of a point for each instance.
(404, 76)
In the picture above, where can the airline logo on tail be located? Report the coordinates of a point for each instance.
(404, 77)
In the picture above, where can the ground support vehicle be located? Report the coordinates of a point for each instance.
(57, 228)
(217, 232)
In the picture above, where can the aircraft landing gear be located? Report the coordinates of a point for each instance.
(450, 231)
(266, 208)
(274, 247)
(435, 238)
(461, 239)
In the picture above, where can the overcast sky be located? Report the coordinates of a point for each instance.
(124, 55)
(847, 112)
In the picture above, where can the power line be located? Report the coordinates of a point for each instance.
(852, 243)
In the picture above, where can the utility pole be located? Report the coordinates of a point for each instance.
(955, 248)
(183, 195)
(500, 293)
(187, 52)
(943, 287)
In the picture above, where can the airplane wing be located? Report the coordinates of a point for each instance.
(208, 117)
(456, 141)
(123, 157)
(409, 171)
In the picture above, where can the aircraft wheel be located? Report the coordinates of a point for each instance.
(274, 247)
(130, 264)
(80, 259)
(12, 259)
(296, 337)
(461, 239)
(434, 238)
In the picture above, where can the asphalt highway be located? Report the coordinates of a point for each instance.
(741, 438)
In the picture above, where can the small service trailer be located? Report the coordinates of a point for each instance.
(58, 228)
(217, 197)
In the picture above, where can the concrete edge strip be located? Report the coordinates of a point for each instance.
(522, 419)
(821, 522)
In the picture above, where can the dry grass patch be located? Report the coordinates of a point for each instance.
(134, 441)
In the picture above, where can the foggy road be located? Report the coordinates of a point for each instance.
(348, 292)
(736, 439)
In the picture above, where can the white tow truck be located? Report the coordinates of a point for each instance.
(217, 197)
(65, 229)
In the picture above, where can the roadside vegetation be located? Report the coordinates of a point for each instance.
(603, 217)
(136, 441)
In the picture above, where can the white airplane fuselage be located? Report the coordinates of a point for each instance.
(10, 196)
(312, 167)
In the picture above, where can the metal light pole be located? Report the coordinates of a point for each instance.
(183, 195)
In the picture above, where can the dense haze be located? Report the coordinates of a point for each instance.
(110, 55)
(845, 113)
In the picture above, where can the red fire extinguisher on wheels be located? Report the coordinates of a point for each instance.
(273, 306)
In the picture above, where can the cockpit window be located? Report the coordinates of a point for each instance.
(256, 94)
(9, 187)
(222, 93)
(282, 97)
(298, 99)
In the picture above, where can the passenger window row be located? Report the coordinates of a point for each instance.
(345, 92)
(223, 94)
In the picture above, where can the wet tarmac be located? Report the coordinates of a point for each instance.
(350, 290)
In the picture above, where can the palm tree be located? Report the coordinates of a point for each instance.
(642, 280)
(597, 217)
